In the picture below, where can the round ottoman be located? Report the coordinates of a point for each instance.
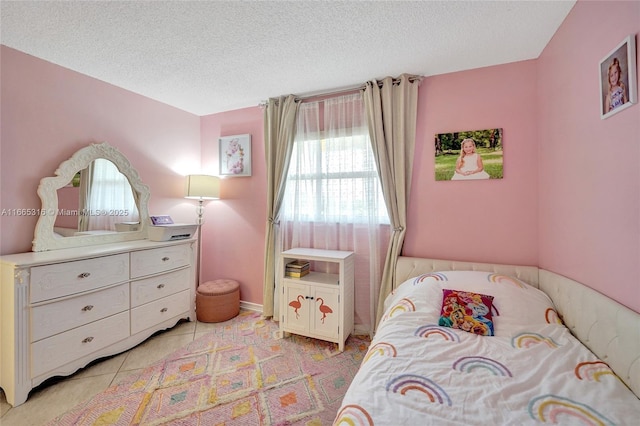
(217, 300)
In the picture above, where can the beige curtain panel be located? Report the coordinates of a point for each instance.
(279, 134)
(391, 109)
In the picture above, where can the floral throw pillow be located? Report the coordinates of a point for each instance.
(467, 311)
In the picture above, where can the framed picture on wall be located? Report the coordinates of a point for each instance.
(618, 78)
(469, 155)
(235, 155)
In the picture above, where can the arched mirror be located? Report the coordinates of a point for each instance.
(96, 197)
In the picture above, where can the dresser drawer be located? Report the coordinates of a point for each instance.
(64, 279)
(147, 262)
(58, 350)
(56, 317)
(153, 313)
(150, 289)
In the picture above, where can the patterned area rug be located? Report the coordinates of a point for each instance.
(238, 374)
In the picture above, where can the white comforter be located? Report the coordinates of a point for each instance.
(532, 371)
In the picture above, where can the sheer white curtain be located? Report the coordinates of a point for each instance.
(333, 199)
(110, 199)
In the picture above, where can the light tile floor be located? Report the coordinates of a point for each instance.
(57, 396)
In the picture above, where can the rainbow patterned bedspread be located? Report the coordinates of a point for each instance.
(531, 371)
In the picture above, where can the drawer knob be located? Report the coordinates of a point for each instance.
(163, 310)
(87, 308)
(165, 259)
(84, 275)
(160, 286)
(87, 340)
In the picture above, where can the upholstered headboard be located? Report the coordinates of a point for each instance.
(609, 329)
(408, 267)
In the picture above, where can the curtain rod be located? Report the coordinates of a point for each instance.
(346, 89)
(311, 95)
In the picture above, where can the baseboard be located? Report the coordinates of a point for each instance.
(250, 306)
(361, 330)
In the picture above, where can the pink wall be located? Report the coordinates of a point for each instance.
(49, 112)
(234, 232)
(488, 220)
(589, 178)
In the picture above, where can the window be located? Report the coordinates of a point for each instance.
(334, 180)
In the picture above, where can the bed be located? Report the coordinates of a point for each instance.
(475, 343)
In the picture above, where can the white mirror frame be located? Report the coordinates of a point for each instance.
(44, 236)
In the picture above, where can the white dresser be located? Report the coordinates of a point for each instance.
(61, 309)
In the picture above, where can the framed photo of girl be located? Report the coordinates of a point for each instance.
(469, 155)
(235, 155)
(618, 89)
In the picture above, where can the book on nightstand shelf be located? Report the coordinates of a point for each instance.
(300, 274)
(297, 269)
(298, 264)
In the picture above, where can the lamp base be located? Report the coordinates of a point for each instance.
(200, 212)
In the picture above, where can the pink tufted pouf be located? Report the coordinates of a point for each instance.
(217, 300)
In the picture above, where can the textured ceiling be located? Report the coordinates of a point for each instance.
(211, 56)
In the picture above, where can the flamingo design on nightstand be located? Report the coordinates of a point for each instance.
(324, 309)
(296, 304)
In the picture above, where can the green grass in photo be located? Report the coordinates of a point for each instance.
(446, 163)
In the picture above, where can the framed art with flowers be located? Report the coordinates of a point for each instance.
(235, 155)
